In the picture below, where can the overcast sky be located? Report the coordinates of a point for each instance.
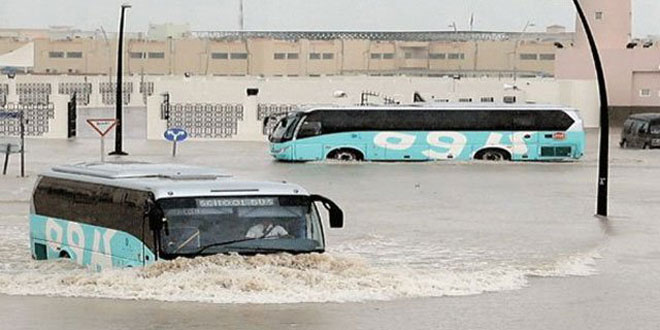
(490, 15)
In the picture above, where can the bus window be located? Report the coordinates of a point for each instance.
(524, 121)
(284, 129)
(309, 129)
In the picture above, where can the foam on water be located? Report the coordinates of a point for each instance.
(277, 278)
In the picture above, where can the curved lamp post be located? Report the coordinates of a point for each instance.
(119, 92)
(603, 149)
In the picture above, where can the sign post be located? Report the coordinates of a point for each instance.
(103, 127)
(175, 135)
(10, 146)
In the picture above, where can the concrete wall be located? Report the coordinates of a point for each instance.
(144, 119)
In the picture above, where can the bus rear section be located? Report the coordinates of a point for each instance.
(91, 224)
(425, 134)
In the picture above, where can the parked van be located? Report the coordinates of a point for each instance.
(641, 130)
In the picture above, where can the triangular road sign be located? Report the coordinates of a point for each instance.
(102, 126)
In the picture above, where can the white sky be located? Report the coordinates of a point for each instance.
(395, 15)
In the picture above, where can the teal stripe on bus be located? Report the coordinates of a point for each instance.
(407, 145)
(87, 245)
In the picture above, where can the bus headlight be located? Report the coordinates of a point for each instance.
(279, 151)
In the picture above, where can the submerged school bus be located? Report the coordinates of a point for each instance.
(132, 214)
(430, 131)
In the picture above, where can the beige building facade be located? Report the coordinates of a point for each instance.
(632, 66)
(298, 53)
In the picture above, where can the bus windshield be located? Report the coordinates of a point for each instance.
(284, 129)
(254, 224)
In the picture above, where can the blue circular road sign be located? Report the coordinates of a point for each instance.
(175, 134)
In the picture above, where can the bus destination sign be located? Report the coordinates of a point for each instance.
(233, 202)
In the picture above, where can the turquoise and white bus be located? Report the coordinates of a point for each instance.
(133, 214)
(429, 132)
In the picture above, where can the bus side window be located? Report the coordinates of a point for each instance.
(524, 121)
(309, 129)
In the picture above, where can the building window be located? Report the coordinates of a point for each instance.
(407, 55)
(279, 56)
(328, 56)
(528, 57)
(509, 99)
(547, 57)
(314, 56)
(437, 56)
(238, 56)
(456, 56)
(465, 100)
(136, 55)
(599, 15)
(644, 92)
(156, 55)
(376, 56)
(487, 99)
(388, 56)
(292, 56)
(74, 54)
(56, 54)
(219, 56)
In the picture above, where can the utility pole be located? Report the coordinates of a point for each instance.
(119, 90)
(515, 51)
(603, 148)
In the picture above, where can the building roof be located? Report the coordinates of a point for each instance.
(383, 35)
(170, 180)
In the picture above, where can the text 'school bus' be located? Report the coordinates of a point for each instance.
(429, 132)
(132, 214)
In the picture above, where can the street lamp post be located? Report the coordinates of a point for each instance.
(515, 51)
(603, 149)
(119, 92)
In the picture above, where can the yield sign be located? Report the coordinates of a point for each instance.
(102, 126)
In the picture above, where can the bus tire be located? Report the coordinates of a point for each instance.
(493, 154)
(346, 154)
(65, 255)
(623, 144)
(646, 146)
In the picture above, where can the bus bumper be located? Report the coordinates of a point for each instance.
(281, 152)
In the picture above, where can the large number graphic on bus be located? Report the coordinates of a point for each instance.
(88, 245)
(442, 145)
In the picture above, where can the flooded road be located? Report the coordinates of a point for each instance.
(426, 245)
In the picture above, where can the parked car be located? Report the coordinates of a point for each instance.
(641, 130)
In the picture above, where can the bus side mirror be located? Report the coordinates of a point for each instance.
(336, 214)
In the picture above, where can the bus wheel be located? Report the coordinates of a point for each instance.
(623, 144)
(65, 255)
(646, 146)
(346, 155)
(495, 155)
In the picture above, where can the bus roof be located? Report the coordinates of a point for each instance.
(441, 106)
(170, 180)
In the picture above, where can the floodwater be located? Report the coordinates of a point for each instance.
(470, 245)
